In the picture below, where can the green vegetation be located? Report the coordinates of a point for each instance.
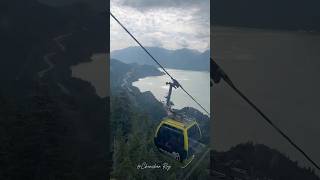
(258, 161)
(134, 118)
(45, 135)
(133, 133)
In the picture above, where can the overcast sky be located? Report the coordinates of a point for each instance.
(172, 24)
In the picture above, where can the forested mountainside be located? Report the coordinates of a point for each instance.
(257, 161)
(52, 126)
(134, 118)
(134, 124)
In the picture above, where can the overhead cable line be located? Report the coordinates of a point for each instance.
(218, 74)
(158, 63)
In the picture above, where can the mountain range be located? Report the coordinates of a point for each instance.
(186, 59)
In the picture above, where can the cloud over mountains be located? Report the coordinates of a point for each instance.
(171, 24)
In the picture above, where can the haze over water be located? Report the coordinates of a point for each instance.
(197, 83)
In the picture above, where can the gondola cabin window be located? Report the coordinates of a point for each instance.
(171, 138)
(194, 136)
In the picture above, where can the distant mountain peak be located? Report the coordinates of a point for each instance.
(187, 59)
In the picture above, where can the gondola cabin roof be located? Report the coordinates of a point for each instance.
(182, 124)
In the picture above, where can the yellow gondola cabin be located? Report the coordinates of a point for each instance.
(177, 138)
